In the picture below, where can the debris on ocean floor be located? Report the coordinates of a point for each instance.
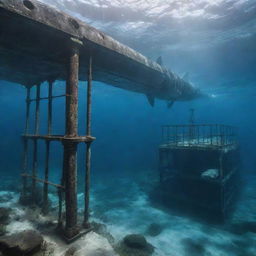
(30, 233)
(165, 231)
(134, 245)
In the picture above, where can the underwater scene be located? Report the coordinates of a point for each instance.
(127, 128)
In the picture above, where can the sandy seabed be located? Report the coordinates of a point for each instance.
(127, 210)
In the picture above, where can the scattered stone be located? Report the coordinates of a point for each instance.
(5, 215)
(135, 241)
(154, 229)
(72, 250)
(244, 227)
(47, 249)
(134, 245)
(23, 243)
(193, 247)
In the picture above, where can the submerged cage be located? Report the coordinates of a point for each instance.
(199, 166)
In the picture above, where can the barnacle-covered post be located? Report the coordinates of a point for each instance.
(25, 149)
(70, 146)
(47, 154)
(88, 145)
(35, 150)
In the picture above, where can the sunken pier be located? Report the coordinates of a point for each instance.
(39, 43)
(199, 168)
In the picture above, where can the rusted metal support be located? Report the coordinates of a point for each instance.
(43, 181)
(35, 153)
(52, 97)
(25, 149)
(27, 110)
(88, 146)
(60, 196)
(38, 87)
(47, 154)
(70, 148)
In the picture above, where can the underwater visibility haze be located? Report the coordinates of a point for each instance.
(187, 188)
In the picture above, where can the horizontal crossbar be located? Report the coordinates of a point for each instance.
(86, 139)
(46, 98)
(42, 181)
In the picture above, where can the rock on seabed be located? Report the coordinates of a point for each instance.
(135, 245)
(23, 243)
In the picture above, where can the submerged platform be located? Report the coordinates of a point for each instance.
(35, 39)
(199, 168)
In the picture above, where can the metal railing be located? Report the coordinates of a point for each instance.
(205, 135)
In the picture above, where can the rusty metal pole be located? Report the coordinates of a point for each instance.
(70, 148)
(88, 146)
(47, 155)
(35, 153)
(25, 150)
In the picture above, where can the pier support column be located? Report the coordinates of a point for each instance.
(70, 148)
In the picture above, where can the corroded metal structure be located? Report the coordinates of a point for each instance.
(199, 167)
(39, 43)
(35, 39)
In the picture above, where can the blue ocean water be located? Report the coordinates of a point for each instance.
(125, 157)
(128, 131)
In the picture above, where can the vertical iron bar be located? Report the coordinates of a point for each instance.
(88, 146)
(27, 110)
(183, 136)
(38, 87)
(47, 154)
(60, 196)
(25, 149)
(35, 164)
(198, 134)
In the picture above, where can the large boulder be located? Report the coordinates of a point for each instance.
(135, 245)
(136, 241)
(23, 243)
